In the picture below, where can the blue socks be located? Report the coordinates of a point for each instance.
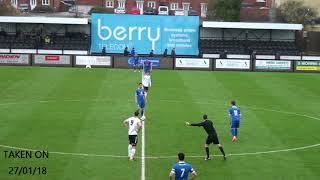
(234, 132)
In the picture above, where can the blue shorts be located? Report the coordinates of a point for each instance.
(147, 70)
(141, 105)
(136, 62)
(235, 124)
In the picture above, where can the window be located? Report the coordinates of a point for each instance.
(261, 2)
(174, 6)
(45, 2)
(140, 5)
(33, 2)
(203, 9)
(14, 3)
(186, 6)
(152, 4)
(121, 4)
(109, 3)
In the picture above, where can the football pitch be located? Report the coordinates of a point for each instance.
(76, 115)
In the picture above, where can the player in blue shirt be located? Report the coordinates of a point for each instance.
(136, 65)
(182, 169)
(133, 52)
(147, 67)
(234, 114)
(141, 99)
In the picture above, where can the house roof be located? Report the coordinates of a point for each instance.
(42, 20)
(249, 25)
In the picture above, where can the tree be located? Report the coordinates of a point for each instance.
(224, 10)
(100, 9)
(296, 12)
(210, 11)
(7, 10)
(43, 9)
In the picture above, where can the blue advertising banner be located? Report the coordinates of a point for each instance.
(115, 32)
(155, 61)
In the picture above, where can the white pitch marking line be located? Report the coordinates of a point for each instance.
(143, 165)
(284, 112)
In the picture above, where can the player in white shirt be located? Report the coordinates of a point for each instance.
(134, 125)
(146, 82)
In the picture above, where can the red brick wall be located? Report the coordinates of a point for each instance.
(23, 2)
(92, 2)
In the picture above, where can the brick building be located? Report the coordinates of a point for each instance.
(200, 6)
(55, 4)
(255, 10)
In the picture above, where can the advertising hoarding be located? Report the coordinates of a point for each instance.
(15, 59)
(103, 61)
(273, 65)
(52, 60)
(115, 32)
(233, 64)
(192, 63)
(307, 66)
(155, 61)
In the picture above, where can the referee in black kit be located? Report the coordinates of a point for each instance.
(212, 136)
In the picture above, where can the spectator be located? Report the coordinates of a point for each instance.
(47, 40)
(253, 55)
(278, 55)
(223, 54)
(151, 54)
(133, 52)
(165, 53)
(173, 53)
(104, 51)
(18, 33)
(3, 32)
(125, 51)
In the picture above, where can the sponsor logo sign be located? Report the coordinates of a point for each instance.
(144, 33)
(273, 65)
(308, 65)
(140, 60)
(93, 60)
(14, 59)
(192, 63)
(232, 64)
(52, 59)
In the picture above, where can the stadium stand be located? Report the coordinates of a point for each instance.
(212, 46)
(246, 38)
(44, 33)
(49, 33)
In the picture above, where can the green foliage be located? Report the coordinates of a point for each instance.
(100, 9)
(296, 12)
(43, 9)
(224, 10)
(7, 10)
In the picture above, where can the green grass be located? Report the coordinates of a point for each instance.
(81, 111)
